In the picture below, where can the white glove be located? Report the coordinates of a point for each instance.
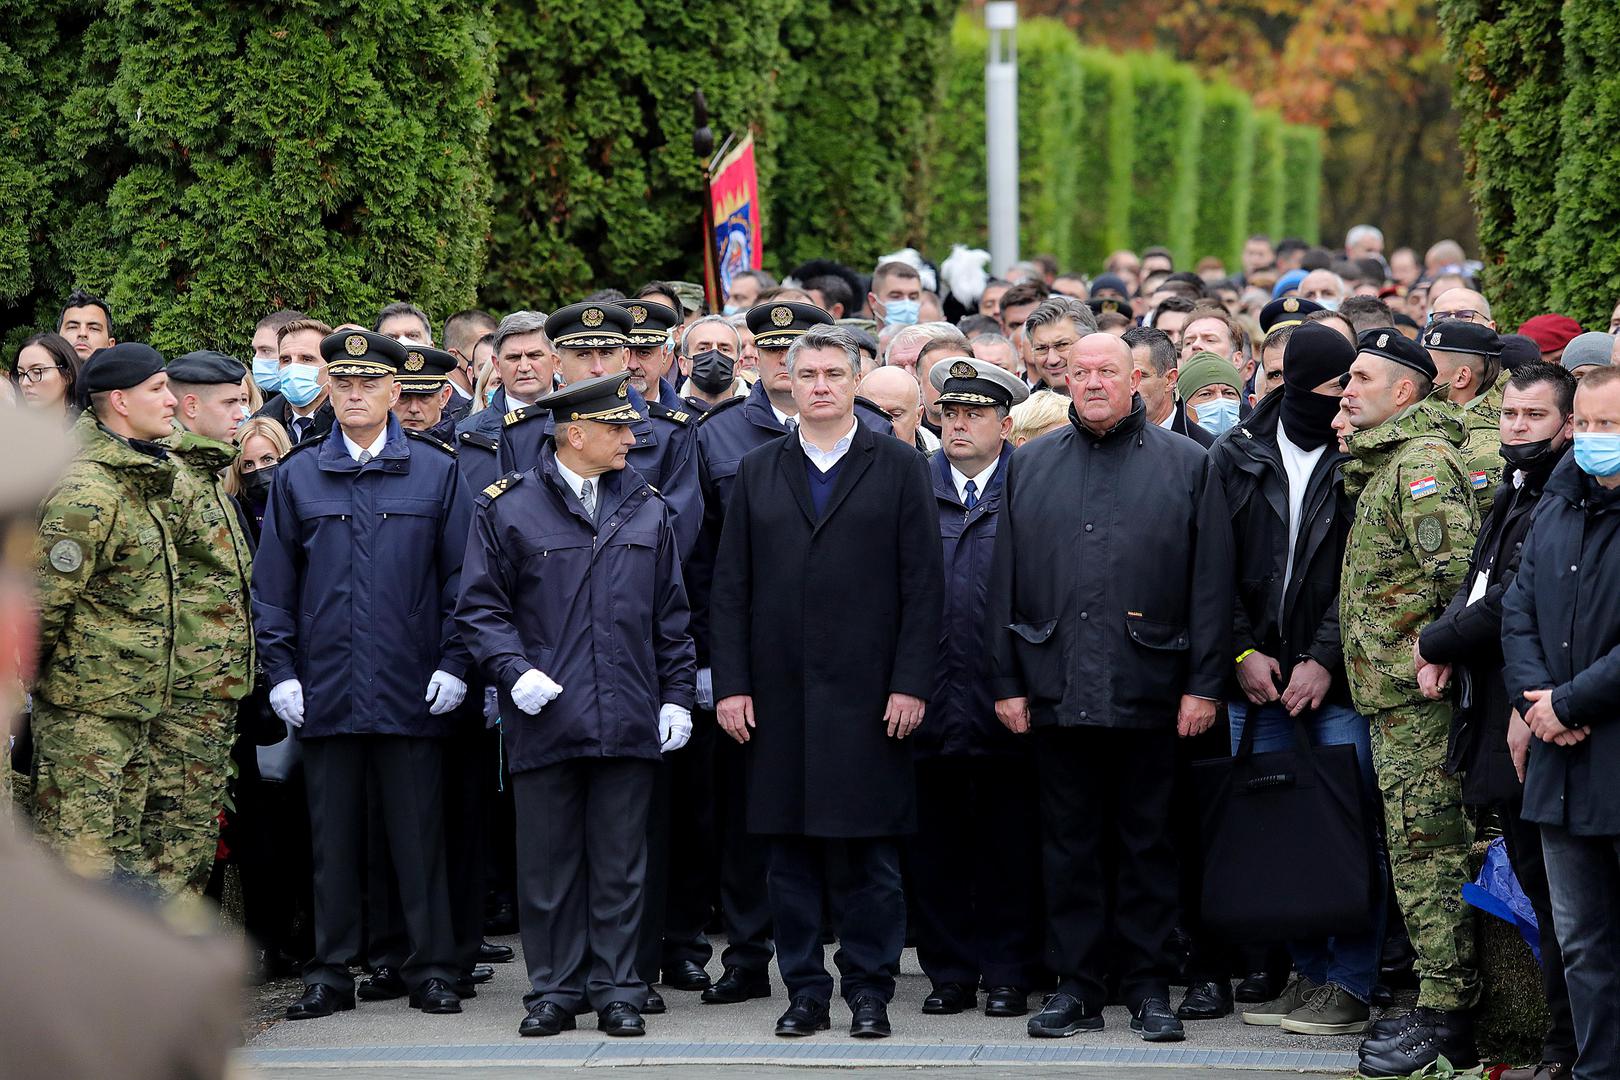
(674, 727)
(534, 690)
(445, 692)
(705, 687)
(287, 699)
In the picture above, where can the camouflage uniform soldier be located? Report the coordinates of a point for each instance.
(190, 745)
(107, 568)
(1406, 556)
(1468, 362)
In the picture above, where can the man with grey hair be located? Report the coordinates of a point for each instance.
(1053, 328)
(526, 363)
(706, 362)
(908, 343)
(821, 537)
(950, 343)
(998, 350)
(405, 323)
(1364, 242)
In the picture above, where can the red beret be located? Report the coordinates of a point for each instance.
(1551, 332)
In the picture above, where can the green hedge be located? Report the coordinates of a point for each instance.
(1165, 172)
(1302, 182)
(1265, 189)
(1103, 158)
(1509, 89)
(596, 182)
(1585, 235)
(1225, 171)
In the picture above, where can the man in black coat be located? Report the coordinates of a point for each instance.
(1280, 470)
(1561, 642)
(1110, 621)
(1536, 427)
(824, 631)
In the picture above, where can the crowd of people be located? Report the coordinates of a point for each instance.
(880, 608)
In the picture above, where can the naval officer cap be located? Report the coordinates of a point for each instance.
(778, 324)
(361, 354)
(605, 399)
(962, 380)
(650, 321)
(590, 325)
(426, 370)
(1286, 311)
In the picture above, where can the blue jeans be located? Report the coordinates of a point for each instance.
(1584, 874)
(1348, 962)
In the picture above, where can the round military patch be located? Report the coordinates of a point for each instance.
(355, 345)
(414, 362)
(67, 556)
(592, 317)
(782, 316)
(963, 370)
(638, 314)
(1430, 534)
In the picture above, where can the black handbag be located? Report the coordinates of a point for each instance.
(1289, 842)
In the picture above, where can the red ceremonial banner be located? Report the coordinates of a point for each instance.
(737, 242)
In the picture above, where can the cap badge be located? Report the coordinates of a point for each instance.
(592, 317)
(1383, 340)
(638, 313)
(1290, 304)
(1434, 338)
(414, 362)
(624, 389)
(355, 345)
(963, 370)
(782, 316)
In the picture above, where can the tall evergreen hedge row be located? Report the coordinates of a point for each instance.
(1104, 157)
(1165, 125)
(1265, 211)
(1302, 188)
(1224, 170)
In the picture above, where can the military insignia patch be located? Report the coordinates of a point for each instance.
(1383, 341)
(638, 314)
(1290, 304)
(1431, 533)
(354, 345)
(1434, 338)
(592, 317)
(963, 370)
(1478, 481)
(414, 362)
(67, 556)
(1421, 488)
(624, 389)
(781, 316)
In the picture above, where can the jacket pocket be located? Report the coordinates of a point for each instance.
(1040, 657)
(1156, 635)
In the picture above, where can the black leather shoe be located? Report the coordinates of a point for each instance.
(547, 1018)
(686, 975)
(869, 1017)
(1006, 1001)
(805, 1016)
(435, 996)
(737, 985)
(490, 953)
(620, 1019)
(480, 974)
(501, 919)
(383, 984)
(1259, 987)
(1155, 1022)
(319, 1000)
(1432, 1035)
(655, 1003)
(947, 999)
(1206, 1001)
(1063, 1015)
(1388, 1031)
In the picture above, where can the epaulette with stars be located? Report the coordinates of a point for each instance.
(499, 488)
(658, 410)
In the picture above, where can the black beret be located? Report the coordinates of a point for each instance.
(426, 370)
(1286, 311)
(206, 368)
(590, 326)
(1391, 344)
(119, 367)
(1459, 336)
(1518, 350)
(776, 324)
(362, 353)
(650, 322)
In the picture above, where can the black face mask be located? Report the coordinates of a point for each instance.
(1527, 457)
(713, 371)
(1307, 416)
(256, 484)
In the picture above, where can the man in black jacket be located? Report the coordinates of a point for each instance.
(1290, 518)
(1109, 625)
(1561, 643)
(1536, 427)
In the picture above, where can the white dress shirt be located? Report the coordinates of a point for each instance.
(826, 459)
(980, 482)
(355, 448)
(575, 481)
(1298, 465)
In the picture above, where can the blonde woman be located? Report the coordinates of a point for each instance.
(1041, 412)
(264, 443)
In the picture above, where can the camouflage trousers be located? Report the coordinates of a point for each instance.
(1429, 837)
(90, 785)
(189, 750)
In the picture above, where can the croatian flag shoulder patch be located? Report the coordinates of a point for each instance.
(1479, 481)
(1426, 486)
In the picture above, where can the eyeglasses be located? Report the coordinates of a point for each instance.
(35, 374)
(1054, 347)
(1463, 315)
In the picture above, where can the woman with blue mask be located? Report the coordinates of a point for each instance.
(1211, 388)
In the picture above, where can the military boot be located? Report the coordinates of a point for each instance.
(1433, 1034)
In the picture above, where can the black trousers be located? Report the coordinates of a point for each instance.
(692, 843)
(655, 887)
(1100, 788)
(974, 871)
(1583, 873)
(745, 904)
(581, 868)
(1530, 867)
(269, 835)
(864, 874)
(405, 777)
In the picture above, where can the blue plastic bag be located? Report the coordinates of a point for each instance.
(1497, 892)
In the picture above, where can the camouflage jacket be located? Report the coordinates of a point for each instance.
(1408, 548)
(107, 567)
(1482, 419)
(213, 629)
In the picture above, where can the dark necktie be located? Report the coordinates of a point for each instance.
(587, 499)
(301, 426)
(972, 499)
(365, 456)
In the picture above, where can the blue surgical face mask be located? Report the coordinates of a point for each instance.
(1217, 416)
(489, 395)
(732, 309)
(902, 312)
(267, 373)
(300, 383)
(1331, 303)
(1597, 452)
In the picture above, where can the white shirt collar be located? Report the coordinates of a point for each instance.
(826, 459)
(573, 479)
(354, 448)
(980, 482)
(783, 418)
(1169, 420)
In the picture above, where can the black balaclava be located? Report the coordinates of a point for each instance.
(1314, 354)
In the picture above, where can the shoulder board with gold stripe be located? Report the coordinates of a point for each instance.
(503, 485)
(664, 412)
(517, 416)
